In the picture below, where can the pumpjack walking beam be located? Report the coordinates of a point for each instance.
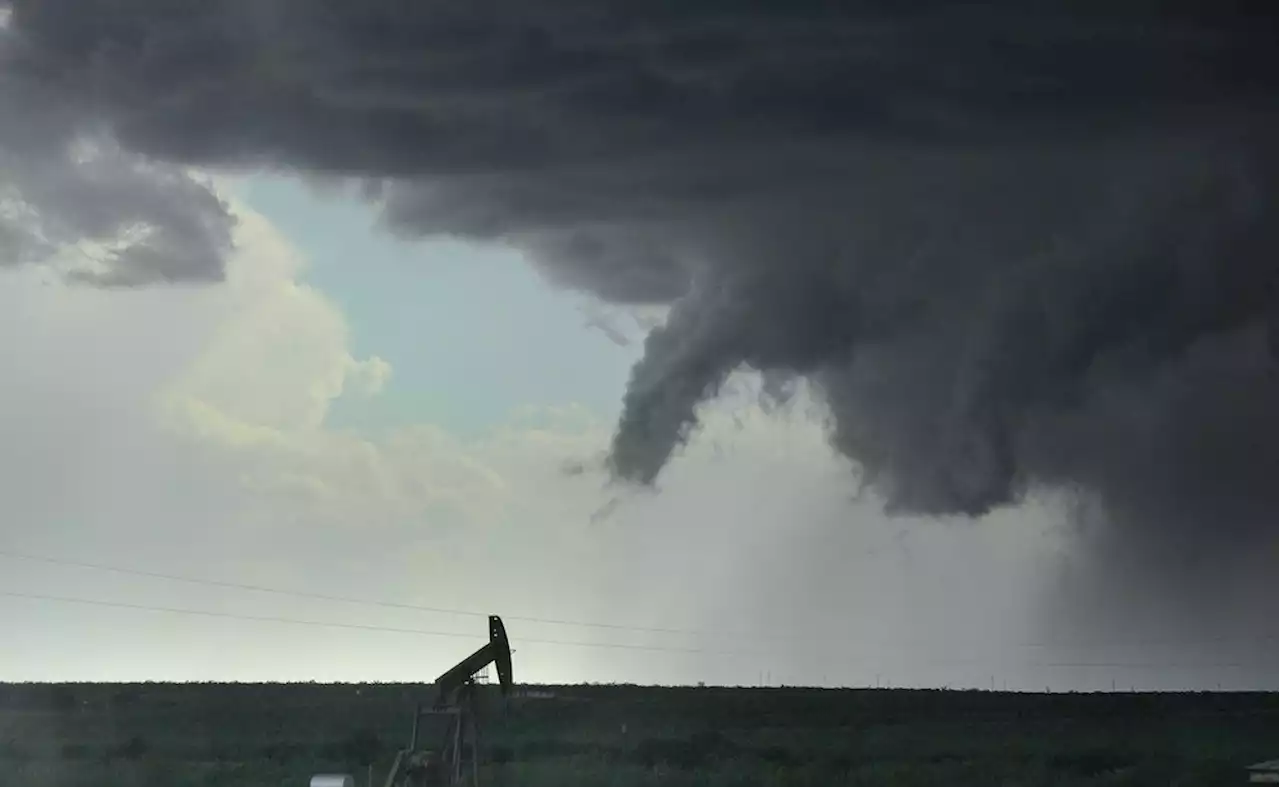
(497, 652)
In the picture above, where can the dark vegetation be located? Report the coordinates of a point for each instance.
(158, 735)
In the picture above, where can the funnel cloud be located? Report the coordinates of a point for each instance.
(1013, 246)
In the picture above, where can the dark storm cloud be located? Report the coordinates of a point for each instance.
(1014, 244)
(63, 181)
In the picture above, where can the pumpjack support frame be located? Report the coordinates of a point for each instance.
(456, 761)
(454, 758)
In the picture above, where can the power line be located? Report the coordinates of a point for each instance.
(580, 644)
(350, 599)
(787, 639)
(333, 624)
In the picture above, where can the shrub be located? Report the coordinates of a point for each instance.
(698, 751)
(74, 751)
(133, 749)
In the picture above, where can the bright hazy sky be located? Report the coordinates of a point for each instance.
(259, 341)
(422, 423)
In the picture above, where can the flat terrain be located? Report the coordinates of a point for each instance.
(103, 735)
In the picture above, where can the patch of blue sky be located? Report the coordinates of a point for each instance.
(472, 333)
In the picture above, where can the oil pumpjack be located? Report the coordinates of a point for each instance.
(451, 758)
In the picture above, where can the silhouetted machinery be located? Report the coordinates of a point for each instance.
(450, 756)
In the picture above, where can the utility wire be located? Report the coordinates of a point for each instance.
(6, 553)
(349, 599)
(331, 624)
(606, 645)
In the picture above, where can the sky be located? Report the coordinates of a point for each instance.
(272, 440)
(314, 369)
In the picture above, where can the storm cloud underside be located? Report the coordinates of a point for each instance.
(1013, 246)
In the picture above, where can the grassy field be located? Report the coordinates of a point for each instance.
(162, 735)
